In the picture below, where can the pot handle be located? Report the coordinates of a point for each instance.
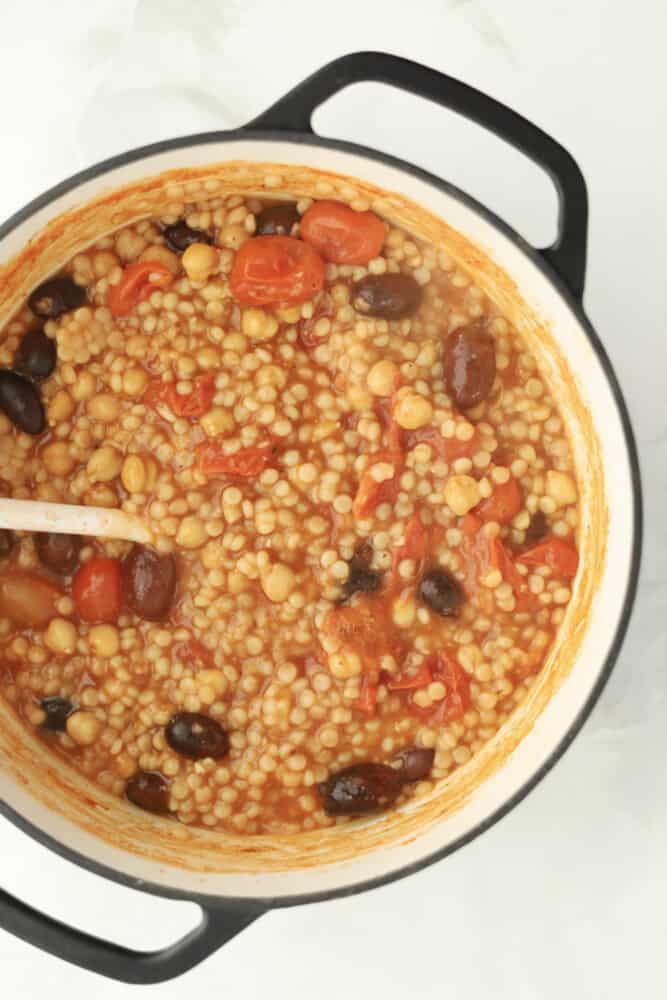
(293, 112)
(218, 925)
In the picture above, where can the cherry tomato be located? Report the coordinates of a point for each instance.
(504, 503)
(136, 284)
(368, 695)
(194, 404)
(275, 271)
(556, 553)
(96, 590)
(410, 682)
(448, 449)
(365, 628)
(370, 493)
(342, 235)
(414, 547)
(247, 463)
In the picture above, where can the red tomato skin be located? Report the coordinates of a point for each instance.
(135, 286)
(276, 271)
(342, 235)
(96, 590)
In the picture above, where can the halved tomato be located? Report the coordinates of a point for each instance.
(276, 271)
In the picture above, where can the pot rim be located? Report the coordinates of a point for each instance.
(310, 139)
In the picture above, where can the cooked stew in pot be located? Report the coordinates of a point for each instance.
(363, 502)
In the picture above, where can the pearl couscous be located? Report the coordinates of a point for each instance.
(362, 497)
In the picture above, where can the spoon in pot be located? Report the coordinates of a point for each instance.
(70, 519)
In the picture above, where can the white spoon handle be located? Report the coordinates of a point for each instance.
(69, 519)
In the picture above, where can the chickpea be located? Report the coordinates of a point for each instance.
(135, 381)
(561, 488)
(104, 262)
(217, 421)
(83, 728)
(191, 533)
(200, 260)
(61, 407)
(152, 470)
(381, 379)
(57, 458)
(84, 387)
(104, 464)
(258, 324)
(162, 255)
(60, 636)
(278, 583)
(133, 474)
(413, 411)
(461, 494)
(104, 640)
(104, 407)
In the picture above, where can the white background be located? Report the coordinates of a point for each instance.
(566, 896)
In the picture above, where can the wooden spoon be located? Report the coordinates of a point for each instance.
(69, 519)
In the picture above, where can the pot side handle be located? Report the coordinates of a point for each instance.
(293, 113)
(218, 925)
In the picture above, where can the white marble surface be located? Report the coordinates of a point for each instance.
(565, 897)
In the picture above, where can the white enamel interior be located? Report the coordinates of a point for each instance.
(563, 709)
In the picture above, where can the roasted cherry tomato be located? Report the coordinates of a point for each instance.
(194, 404)
(559, 555)
(275, 271)
(504, 503)
(342, 235)
(96, 590)
(138, 282)
(243, 464)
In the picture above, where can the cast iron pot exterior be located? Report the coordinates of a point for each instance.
(563, 265)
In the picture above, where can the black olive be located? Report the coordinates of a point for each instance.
(21, 402)
(180, 236)
(413, 763)
(7, 542)
(148, 790)
(277, 220)
(361, 578)
(359, 789)
(537, 528)
(441, 592)
(469, 360)
(59, 553)
(196, 736)
(391, 296)
(36, 355)
(56, 296)
(149, 582)
(58, 710)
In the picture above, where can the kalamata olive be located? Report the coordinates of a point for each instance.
(537, 528)
(21, 402)
(180, 236)
(413, 763)
(148, 790)
(36, 355)
(196, 736)
(469, 359)
(7, 541)
(59, 553)
(359, 789)
(391, 296)
(441, 592)
(277, 220)
(361, 578)
(149, 582)
(58, 710)
(56, 296)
